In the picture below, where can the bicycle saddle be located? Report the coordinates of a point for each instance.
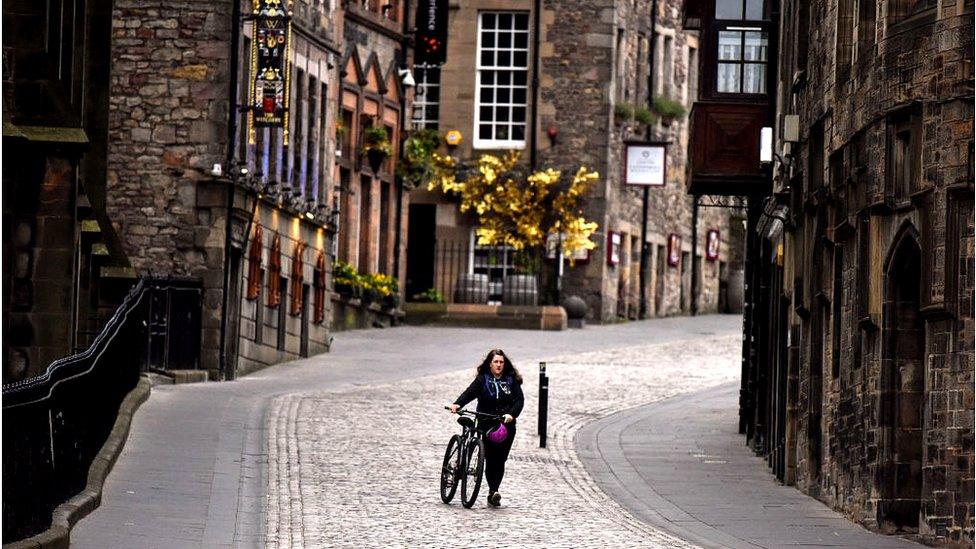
(466, 421)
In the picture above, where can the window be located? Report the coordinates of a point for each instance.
(667, 67)
(621, 80)
(309, 173)
(503, 61)
(426, 103)
(295, 164)
(255, 273)
(323, 168)
(742, 59)
(843, 45)
(297, 278)
(318, 284)
(815, 157)
(739, 10)
(692, 88)
(274, 274)
(899, 10)
(903, 155)
(864, 29)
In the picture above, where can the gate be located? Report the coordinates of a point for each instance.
(173, 335)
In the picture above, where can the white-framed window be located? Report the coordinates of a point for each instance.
(500, 112)
(426, 103)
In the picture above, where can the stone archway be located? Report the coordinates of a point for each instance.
(902, 402)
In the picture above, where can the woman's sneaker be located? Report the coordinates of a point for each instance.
(495, 499)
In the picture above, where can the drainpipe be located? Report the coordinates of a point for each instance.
(235, 34)
(645, 247)
(533, 136)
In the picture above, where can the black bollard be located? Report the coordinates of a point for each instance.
(543, 403)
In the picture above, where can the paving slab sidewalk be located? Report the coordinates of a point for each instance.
(680, 465)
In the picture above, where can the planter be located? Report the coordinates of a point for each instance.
(370, 296)
(346, 289)
(390, 302)
(375, 158)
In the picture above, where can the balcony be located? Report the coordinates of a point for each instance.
(724, 149)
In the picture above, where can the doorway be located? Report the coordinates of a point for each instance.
(902, 412)
(421, 240)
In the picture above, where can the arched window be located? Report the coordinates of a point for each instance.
(254, 272)
(319, 284)
(297, 278)
(274, 273)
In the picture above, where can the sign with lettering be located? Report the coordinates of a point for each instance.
(712, 245)
(431, 36)
(270, 72)
(645, 164)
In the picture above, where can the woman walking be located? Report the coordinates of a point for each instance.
(498, 387)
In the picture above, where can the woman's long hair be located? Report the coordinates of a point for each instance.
(485, 366)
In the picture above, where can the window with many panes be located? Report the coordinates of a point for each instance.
(743, 46)
(426, 103)
(742, 60)
(503, 69)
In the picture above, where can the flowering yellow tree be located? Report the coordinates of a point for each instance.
(518, 208)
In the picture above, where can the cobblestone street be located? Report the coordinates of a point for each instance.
(360, 466)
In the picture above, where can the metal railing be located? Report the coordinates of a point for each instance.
(492, 275)
(56, 423)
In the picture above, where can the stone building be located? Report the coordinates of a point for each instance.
(370, 202)
(547, 78)
(858, 363)
(58, 242)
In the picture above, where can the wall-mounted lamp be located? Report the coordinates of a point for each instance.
(406, 77)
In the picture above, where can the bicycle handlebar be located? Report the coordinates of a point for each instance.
(474, 413)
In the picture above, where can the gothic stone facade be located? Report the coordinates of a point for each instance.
(880, 261)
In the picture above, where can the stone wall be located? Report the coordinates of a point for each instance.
(917, 69)
(596, 55)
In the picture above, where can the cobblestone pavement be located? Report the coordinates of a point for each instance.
(359, 466)
(194, 471)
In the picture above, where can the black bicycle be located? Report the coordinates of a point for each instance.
(464, 459)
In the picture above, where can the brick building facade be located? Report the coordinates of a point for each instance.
(860, 391)
(593, 57)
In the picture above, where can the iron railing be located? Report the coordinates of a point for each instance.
(56, 423)
(492, 275)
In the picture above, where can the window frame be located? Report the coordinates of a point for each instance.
(742, 27)
(421, 102)
(477, 141)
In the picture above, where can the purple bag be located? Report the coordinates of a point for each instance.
(498, 434)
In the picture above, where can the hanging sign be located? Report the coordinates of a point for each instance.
(712, 245)
(645, 163)
(431, 32)
(270, 67)
(674, 250)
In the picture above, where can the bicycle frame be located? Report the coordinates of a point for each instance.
(471, 430)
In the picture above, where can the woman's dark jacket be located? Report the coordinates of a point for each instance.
(495, 396)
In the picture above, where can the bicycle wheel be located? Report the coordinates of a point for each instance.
(474, 468)
(449, 469)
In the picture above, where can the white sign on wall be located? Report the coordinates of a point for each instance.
(645, 164)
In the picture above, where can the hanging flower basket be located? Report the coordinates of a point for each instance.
(376, 144)
(376, 158)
